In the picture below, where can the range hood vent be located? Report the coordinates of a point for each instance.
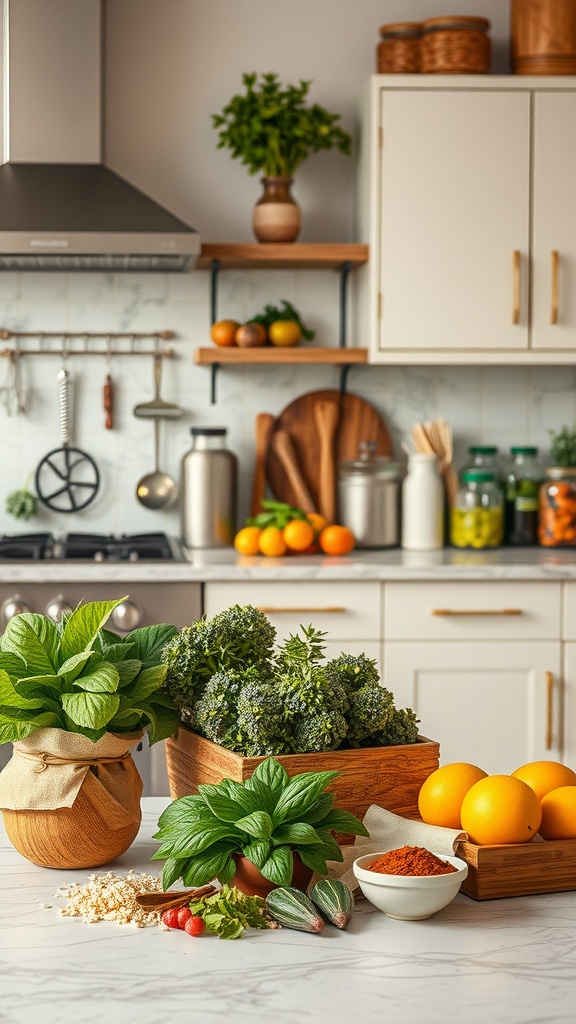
(61, 207)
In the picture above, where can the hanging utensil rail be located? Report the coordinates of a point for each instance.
(109, 337)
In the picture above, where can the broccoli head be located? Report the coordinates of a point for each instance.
(216, 712)
(317, 731)
(262, 718)
(370, 710)
(402, 727)
(353, 671)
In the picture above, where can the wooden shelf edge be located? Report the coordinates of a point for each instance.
(295, 254)
(270, 355)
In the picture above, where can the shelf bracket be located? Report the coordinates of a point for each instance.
(213, 374)
(344, 371)
(214, 269)
(344, 275)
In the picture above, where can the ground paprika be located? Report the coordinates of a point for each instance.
(411, 860)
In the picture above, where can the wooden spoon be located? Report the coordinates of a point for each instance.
(264, 427)
(286, 453)
(175, 898)
(327, 415)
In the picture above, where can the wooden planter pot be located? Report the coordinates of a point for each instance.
(388, 776)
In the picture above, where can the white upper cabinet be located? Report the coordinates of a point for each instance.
(465, 196)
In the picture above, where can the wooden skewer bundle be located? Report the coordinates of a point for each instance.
(434, 437)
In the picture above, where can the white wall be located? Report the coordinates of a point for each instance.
(170, 65)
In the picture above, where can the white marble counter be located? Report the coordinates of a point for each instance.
(496, 962)
(225, 564)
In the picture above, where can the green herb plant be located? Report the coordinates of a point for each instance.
(229, 912)
(78, 676)
(286, 311)
(267, 818)
(275, 513)
(563, 446)
(21, 503)
(271, 130)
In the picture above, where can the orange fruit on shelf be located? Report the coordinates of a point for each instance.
(246, 540)
(500, 809)
(251, 335)
(544, 776)
(317, 521)
(441, 794)
(559, 813)
(284, 333)
(271, 542)
(336, 540)
(298, 535)
(223, 332)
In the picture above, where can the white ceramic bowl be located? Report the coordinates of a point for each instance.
(409, 897)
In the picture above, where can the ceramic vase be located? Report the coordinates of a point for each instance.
(276, 215)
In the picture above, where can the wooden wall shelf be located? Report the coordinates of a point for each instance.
(306, 255)
(269, 354)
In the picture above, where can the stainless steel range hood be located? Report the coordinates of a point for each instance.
(61, 207)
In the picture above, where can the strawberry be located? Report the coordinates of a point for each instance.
(194, 925)
(184, 915)
(170, 917)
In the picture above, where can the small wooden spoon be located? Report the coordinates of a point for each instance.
(327, 416)
(284, 448)
(175, 898)
(264, 427)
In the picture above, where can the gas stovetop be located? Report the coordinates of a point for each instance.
(90, 547)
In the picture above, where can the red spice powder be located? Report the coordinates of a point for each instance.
(411, 860)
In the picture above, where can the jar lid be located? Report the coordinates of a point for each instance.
(477, 475)
(483, 449)
(456, 21)
(208, 431)
(523, 450)
(408, 29)
(368, 463)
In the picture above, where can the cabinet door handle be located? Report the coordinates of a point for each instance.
(549, 677)
(554, 294)
(296, 611)
(516, 286)
(472, 611)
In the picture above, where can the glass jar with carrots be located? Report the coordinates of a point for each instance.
(557, 495)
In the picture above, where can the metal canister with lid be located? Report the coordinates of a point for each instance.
(368, 498)
(208, 490)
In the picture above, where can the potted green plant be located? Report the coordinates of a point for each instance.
(557, 495)
(75, 699)
(271, 129)
(242, 697)
(267, 831)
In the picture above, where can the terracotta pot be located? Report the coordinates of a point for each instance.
(276, 215)
(250, 881)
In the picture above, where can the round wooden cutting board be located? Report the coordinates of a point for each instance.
(359, 421)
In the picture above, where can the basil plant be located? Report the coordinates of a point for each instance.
(78, 676)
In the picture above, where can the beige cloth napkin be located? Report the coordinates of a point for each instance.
(389, 831)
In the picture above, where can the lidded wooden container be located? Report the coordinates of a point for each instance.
(398, 51)
(543, 37)
(456, 45)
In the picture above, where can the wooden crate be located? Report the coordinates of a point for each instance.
(521, 869)
(388, 776)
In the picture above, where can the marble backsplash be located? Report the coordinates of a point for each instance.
(488, 405)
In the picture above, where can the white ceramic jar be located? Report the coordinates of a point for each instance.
(422, 505)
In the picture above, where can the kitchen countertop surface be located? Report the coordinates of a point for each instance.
(225, 564)
(494, 962)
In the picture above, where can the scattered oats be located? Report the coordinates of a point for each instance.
(44, 906)
(164, 927)
(110, 897)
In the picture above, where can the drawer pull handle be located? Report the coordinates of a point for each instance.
(516, 287)
(294, 611)
(549, 676)
(554, 303)
(484, 611)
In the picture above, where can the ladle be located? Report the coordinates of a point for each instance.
(156, 490)
(157, 407)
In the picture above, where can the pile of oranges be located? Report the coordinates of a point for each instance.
(539, 797)
(309, 535)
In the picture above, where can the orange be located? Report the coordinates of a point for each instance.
(442, 793)
(559, 814)
(500, 809)
(223, 332)
(544, 776)
(317, 521)
(246, 540)
(284, 333)
(271, 542)
(298, 535)
(336, 540)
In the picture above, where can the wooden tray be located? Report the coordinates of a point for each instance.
(522, 869)
(359, 421)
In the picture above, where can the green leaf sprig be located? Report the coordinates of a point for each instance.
(267, 818)
(271, 130)
(229, 912)
(286, 311)
(78, 676)
(275, 513)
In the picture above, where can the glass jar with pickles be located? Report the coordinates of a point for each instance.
(523, 477)
(477, 516)
(557, 508)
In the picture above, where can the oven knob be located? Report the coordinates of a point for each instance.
(127, 616)
(56, 608)
(14, 606)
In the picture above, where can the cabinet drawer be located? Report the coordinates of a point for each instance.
(570, 611)
(472, 611)
(345, 611)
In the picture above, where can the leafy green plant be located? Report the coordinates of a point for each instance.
(270, 129)
(276, 513)
(21, 504)
(229, 912)
(286, 311)
(563, 446)
(267, 818)
(78, 676)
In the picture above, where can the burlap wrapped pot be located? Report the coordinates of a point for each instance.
(71, 803)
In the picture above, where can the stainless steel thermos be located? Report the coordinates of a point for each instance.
(368, 498)
(208, 482)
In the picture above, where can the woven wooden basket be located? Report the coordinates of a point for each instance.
(398, 52)
(455, 46)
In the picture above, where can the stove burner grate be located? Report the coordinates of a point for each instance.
(125, 547)
(20, 547)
